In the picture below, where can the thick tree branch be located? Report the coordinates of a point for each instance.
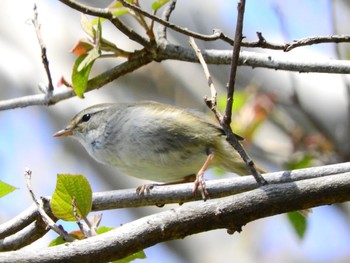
(20, 222)
(136, 61)
(231, 213)
(175, 52)
(257, 60)
(24, 237)
(159, 196)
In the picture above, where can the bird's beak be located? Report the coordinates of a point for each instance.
(65, 132)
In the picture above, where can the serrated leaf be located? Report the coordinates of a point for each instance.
(87, 26)
(299, 223)
(80, 77)
(158, 4)
(70, 186)
(5, 189)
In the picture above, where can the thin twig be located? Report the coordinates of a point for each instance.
(211, 102)
(215, 36)
(226, 121)
(77, 218)
(91, 225)
(49, 222)
(129, 32)
(89, 10)
(162, 29)
(88, 229)
(234, 62)
(43, 50)
(316, 40)
(105, 13)
(260, 43)
(136, 61)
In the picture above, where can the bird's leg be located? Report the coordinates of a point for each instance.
(200, 180)
(147, 187)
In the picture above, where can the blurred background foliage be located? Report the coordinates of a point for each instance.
(289, 120)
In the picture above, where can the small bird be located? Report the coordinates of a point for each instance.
(154, 141)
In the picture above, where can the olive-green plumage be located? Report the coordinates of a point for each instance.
(152, 141)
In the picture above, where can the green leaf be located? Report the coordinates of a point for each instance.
(104, 229)
(89, 59)
(94, 21)
(138, 255)
(158, 4)
(5, 188)
(70, 186)
(299, 223)
(80, 74)
(117, 9)
(120, 11)
(302, 162)
(59, 240)
(240, 99)
(87, 26)
(219, 171)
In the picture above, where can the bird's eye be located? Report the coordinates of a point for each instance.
(86, 117)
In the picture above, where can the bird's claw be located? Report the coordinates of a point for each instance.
(200, 183)
(142, 188)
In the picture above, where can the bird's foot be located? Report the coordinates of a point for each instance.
(199, 184)
(145, 188)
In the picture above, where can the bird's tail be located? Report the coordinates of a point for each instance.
(232, 162)
(229, 159)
